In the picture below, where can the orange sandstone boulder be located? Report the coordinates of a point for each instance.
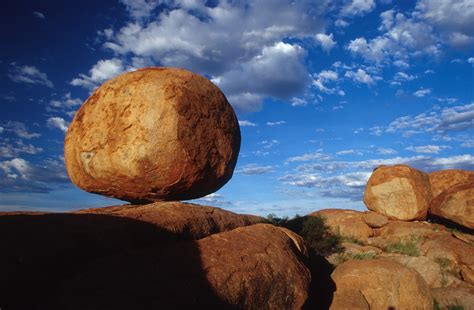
(254, 267)
(153, 134)
(399, 192)
(347, 223)
(383, 284)
(456, 204)
(444, 179)
(184, 220)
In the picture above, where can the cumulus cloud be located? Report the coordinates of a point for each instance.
(452, 18)
(360, 76)
(386, 151)
(9, 148)
(357, 7)
(57, 122)
(254, 169)
(422, 92)
(245, 123)
(325, 41)
(100, 72)
(249, 62)
(20, 175)
(66, 102)
(29, 75)
(19, 129)
(427, 149)
(317, 155)
(471, 60)
(439, 121)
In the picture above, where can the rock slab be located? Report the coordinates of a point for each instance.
(153, 134)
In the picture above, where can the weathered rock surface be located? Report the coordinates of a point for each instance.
(384, 284)
(43, 250)
(456, 204)
(153, 134)
(397, 230)
(445, 179)
(448, 247)
(348, 223)
(399, 192)
(447, 297)
(374, 219)
(186, 220)
(254, 267)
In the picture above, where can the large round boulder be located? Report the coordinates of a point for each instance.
(456, 204)
(153, 134)
(382, 284)
(444, 179)
(399, 192)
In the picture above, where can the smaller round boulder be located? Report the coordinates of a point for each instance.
(399, 192)
(153, 134)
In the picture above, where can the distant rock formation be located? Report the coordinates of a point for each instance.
(399, 192)
(153, 134)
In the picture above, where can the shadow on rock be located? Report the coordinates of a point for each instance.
(90, 261)
(322, 286)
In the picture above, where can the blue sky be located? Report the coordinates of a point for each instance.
(324, 90)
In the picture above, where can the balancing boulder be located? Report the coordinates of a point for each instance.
(153, 134)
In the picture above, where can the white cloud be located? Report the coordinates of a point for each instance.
(358, 7)
(57, 122)
(15, 168)
(249, 59)
(100, 72)
(66, 102)
(140, 9)
(317, 155)
(29, 75)
(422, 92)
(276, 123)
(452, 18)
(9, 148)
(245, 123)
(19, 129)
(39, 15)
(326, 41)
(298, 102)
(427, 149)
(346, 152)
(267, 144)
(471, 60)
(360, 76)
(254, 169)
(386, 151)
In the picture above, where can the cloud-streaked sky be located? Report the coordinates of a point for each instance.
(324, 90)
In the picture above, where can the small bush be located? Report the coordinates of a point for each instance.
(313, 230)
(351, 239)
(408, 246)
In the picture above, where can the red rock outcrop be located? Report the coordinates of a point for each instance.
(348, 223)
(382, 284)
(186, 220)
(456, 204)
(254, 267)
(445, 179)
(399, 192)
(153, 134)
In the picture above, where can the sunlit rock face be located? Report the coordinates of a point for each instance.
(399, 192)
(153, 134)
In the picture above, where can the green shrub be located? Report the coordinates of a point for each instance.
(313, 230)
(407, 246)
(350, 239)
